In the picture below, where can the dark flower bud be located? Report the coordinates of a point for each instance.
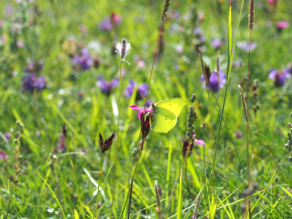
(16, 180)
(15, 166)
(290, 159)
(11, 178)
(17, 123)
(194, 98)
(189, 124)
(18, 171)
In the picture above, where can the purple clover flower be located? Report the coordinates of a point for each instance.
(3, 156)
(82, 61)
(245, 46)
(279, 77)
(213, 81)
(216, 43)
(141, 90)
(106, 86)
(32, 82)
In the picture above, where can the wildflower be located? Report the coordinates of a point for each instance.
(20, 44)
(179, 48)
(238, 134)
(123, 49)
(61, 147)
(216, 43)
(237, 63)
(115, 19)
(273, 3)
(32, 82)
(3, 156)
(199, 35)
(200, 17)
(245, 46)
(141, 64)
(141, 90)
(105, 145)
(213, 81)
(34, 67)
(106, 24)
(82, 61)
(281, 25)
(105, 86)
(198, 141)
(123, 72)
(279, 77)
(7, 136)
(141, 110)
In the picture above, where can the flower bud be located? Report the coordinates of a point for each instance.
(290, 159)
(16, 180)
(15, 141)
(17, 123)
(194, 98)
(21, 126)
(11, 178)
(18, 171)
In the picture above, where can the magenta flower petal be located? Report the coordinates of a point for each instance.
(200, 142)
(134, 107)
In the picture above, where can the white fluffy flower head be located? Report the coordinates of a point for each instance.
(123, 49)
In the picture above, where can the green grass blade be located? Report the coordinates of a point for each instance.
(179, 207)
(53, 194)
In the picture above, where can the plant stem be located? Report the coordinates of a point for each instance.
(99, 187)
(118, 136)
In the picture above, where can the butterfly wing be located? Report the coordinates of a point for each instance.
(162, 124)
(174, 105)
(166, 113)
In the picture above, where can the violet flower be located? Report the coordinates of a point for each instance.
(82, 61)
(199, 35)
(3, 156)
(109, 23)
(245, 46)
(279, 77)
(106, 24)
(141, 110)
(106, 86)
(141, 90)
(213, 81)
(216, 43)
(32, 82)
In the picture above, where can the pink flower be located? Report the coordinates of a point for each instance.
(20, 44)
(198, 141)
(141, 64)
(141, 110)
(282, 24)
(3, 156)
(179, 48)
